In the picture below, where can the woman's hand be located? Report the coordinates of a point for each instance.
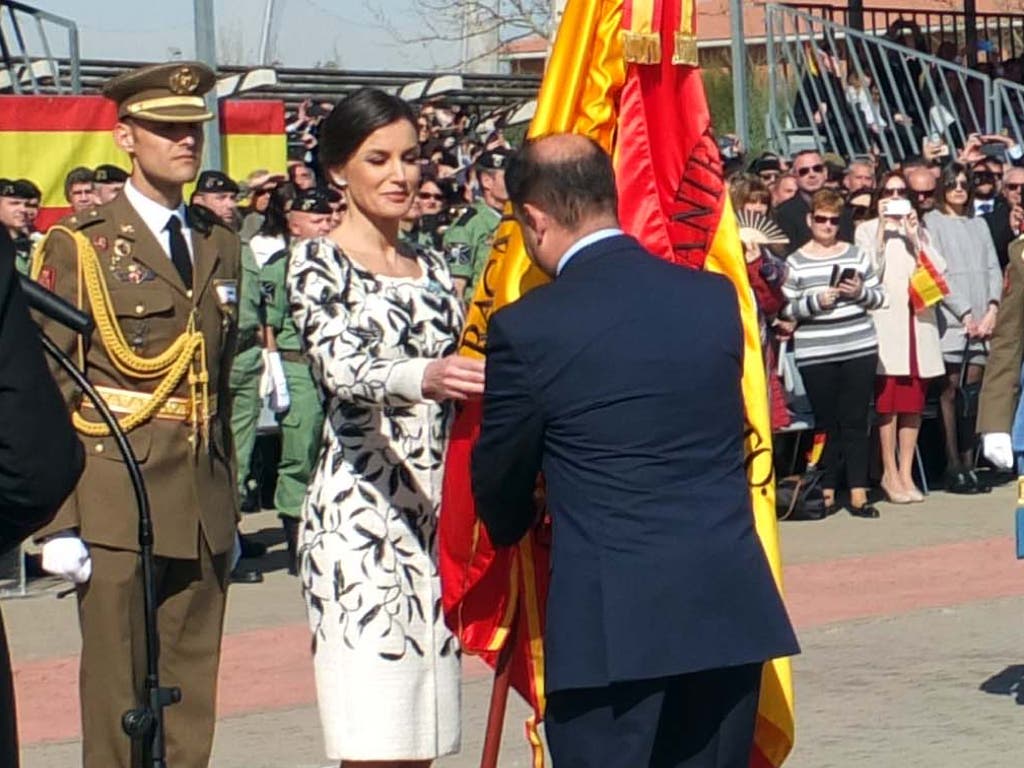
(453, 378)
(970, 327)
(784, 329)
(751, 252)
(987, 326)
(852, 288)
(827, 298)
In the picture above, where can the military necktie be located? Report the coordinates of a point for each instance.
(179, 251)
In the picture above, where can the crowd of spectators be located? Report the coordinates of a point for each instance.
(842, 313)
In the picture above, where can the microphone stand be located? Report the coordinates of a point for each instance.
(145, 723)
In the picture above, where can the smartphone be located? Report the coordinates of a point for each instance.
(847, 274)
(833, 281)
(897, 207)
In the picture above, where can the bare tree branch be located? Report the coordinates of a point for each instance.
(452, 21)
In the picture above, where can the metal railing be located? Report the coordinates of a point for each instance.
(1009, 108)
(1004, 30)
(27, 60)
(849, 92)
(292, 85)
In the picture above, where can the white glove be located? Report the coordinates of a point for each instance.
(273, 384)
(997, 447)
(67, 557)
(236, 551)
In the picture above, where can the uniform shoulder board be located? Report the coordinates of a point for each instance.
(276, 257)
(83, 220)
(465, 218)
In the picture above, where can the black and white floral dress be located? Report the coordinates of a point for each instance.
(387, 668)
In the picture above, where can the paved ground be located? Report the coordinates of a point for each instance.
(912, 628)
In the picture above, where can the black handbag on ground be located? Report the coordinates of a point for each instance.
(966, 408)
(799, 497)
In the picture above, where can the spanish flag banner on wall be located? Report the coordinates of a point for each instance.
(622, 72)
(44, 137)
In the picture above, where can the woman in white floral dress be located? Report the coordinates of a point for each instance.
(380, 323)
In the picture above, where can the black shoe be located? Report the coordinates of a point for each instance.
(979, 485)
(252, 548)
(250, 499)
(958, 481)
(867, 511)
(243, 575)
(291, 539)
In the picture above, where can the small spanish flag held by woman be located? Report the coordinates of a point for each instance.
(623, 72)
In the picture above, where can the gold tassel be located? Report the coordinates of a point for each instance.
(641, 48)
(685, 50)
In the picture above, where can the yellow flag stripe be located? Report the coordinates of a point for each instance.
(774, 735)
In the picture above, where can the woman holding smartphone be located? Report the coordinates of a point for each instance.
(831, 285)
(908, 342)
(968, 315)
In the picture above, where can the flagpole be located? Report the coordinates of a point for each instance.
(499, 701)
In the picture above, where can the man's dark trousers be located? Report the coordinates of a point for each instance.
(641, 722)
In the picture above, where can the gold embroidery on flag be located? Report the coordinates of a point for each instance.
(641, 41)
(685, 52)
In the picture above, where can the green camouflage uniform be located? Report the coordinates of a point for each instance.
(467, 244)
(23, 255)
(302, 423)
(246, 369)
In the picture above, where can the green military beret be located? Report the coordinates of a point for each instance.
(215, 181)
(312, 200)
(109, 174)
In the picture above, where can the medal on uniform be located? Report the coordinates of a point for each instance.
(227, 291)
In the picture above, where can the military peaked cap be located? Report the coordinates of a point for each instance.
(164, 93)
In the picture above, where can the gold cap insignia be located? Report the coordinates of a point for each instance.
(183, 81)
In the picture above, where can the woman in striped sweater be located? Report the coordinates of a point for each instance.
(830, 286)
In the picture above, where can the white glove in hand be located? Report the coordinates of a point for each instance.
(997, 447)
(67, 557)
(273, 383)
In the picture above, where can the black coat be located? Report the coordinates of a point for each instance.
(998, 221)
(621, 381)
(41, 458)
(791, 217)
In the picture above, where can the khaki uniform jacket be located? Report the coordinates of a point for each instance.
(190, 491)
(1000, 389)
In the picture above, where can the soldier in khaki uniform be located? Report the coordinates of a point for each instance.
(162, 287)
(1000, 421)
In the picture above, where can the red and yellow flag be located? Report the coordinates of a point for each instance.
(622, 72)
(44, 137)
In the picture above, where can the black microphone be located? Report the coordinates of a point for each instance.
(54, 307)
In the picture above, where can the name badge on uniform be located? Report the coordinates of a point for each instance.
(227, 291)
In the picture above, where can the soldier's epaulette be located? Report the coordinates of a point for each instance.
(276, 257)
(465, 218)
(78, 221)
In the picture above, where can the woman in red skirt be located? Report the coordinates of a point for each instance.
(909, 352)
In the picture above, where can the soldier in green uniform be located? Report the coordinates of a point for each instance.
(467, 243)
(309, 216)
(14, 216)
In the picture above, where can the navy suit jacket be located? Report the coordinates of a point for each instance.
(621, 382)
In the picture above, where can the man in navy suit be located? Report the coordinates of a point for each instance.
(620, 381)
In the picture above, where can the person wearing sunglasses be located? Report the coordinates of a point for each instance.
(811, 175)
(909, 352)
(986, 177)
(1006, 219)
(967, 317)
(831, 285)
